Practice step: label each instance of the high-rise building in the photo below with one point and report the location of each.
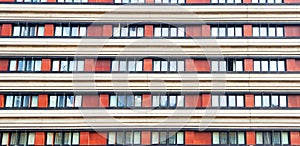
(150, 72)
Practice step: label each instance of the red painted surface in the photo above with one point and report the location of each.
(104, 100)
(247, 30)
(205, 30)
(146, 100)
(247, 1)
(146, 137)
(43, 101)
(248, 65)
(249, 100)
(206, 100)
(294, 138)
(149, 29)
(147, 65)
(51, 1)
(250, 137)
(202, 138)
(90, 101)
(95, 30)
(4, 64)
(96, 138)
(89, 65)
(105, 1)
(39, 138)
(103, 65)
(189, 65)
(6, 30)
(292, 31)
(46, 64)
(190, 100)
(202, 65)
(49, 30)
(291, 65)
(107, 30)
(84, 138)
(189, 137)
(197, 1)
(193, 31)
(1, 100)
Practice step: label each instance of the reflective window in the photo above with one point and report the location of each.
(21, 101)
(227, 100)
(128, 31)
(67, 65)
(270, 101)
(167, 138)
(272, 138)
(25, 65)
(229, 138)
(70, 30)
(62, 138)
(168, 101)
(172, 66)
(169, 31)
(227, 30)
(267, 30)
(123, 101)
(124, 138)
(129, 65)
(269, 65)
(65, 101)
(28, 30)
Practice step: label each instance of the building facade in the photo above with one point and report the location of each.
(150, 72)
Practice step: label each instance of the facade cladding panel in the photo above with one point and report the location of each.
(40, 63)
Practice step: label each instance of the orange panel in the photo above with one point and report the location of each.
(292, 101)
(190, 101)
(294, 138)
(205, 30)
(84, 138)
(49, 30)
(1, 100)
(189, 65)
(149, 1)
(146, 136)
(297, 64)
(51, 1)
(39, 138)
(96, 138)
(198, 101)
(202, 65)
(248, 30)
(89, 65)
(95, 30)
(148, 30)
(189, 137)
(193, 31)
(46, 64)
(298, 100)
(3, 64)
(247, 1)
(105, 1)
(147, 65)
(248, 64)
(292, 31)
(197, 1)
(92, 1)
(146, 101)
(291, 65)
(103, 65)
(6, 30)
(104, 100)
(90, 101)
(250, 137)
(292, 1)
(107, 30)
(249, 100)
(7, 1)
(202, 138)
(43, 101)
(206, 100)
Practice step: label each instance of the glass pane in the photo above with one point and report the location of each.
(131, 65)
(231, 100)
(180, 65)
(155, 101)
(139, 66)
(284, 138)
(129, 138)
(130, 101)
(165, 32)
(264, 65)
(82, 31)
(17, 101)
(140, 32)
(132, 31)
(215, 101)
(137, 138)
(49, 138)
(23, 138)
(256, 65)
(154, 138)
(239, 66)
(4, 138)
(180, 138)
(67, 138)
(52, 102)
(63, 65)
(16, 31)
(13, 139)
(231, 29)
(216, 138)
(267, 137)
(9, 101)
(214, 65)
(61, 101)
(172, 137)
(58, 138)
(163, 101)
(163, 138)
(222, 65)
(78, 100)
(164, 65)
(116, 29)
(26, 100)
(123, 65)
(38, 65)
(74, 31)
(72, 66)
(156, 65)
(273, 65)
(66, 31)
(172, 101)
(241, 138)
(58, 31)
(113, 101)
(55, 65)
(34, 101)
(31, 138)
(274, 101)
(257, 100)
(157, 31)
(124, 31)
(32, 31)
(75, 139)
(238, 31)
(115, 66)
(120, 137)
(180, 101)
(180, 32)
(21, 65)
(41, 30)
(24, 31)
(255, 29)
(240, 101)
(12, 65)
(266, 101)
(111, 138)
(214, 31)
(29, 65)
(80, 65)
(223, 101)
(263, 31)
(279, 31)
(222, 32)
(173, 65)
(281, 65)
(223, 138)
(271, 31)
(232, 138)
(276, 138)
(137, 101)
(70, 101)
(282, 101)
(121, 101)
(259, 138)
(173, 32)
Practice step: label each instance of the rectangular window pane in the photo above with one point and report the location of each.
(63, 65)
(113, 101)
(266, 101)
(16, 31)
(58, 138)
(282, 101)
(55, 65)
(13, 138)
(279, 31)
(124, 31)
(67, 138)
(238, 31)
(214, 31)
(123, 65)
(66, 31)
(273, 65)
(17, 101)
(4, 138)
(74, 31)
(121, 101)
(172, 137)
(80, 65)
(173, 32)
(267, 137)
(29, 65)
(180, 138)
(52, 102)
(271, 31)
(257, 100)
(31, 138)
(111, 138)
(163, 138)
(256, 65)
(137, 101)
(180, 65)
(132, 31)
(223, 101)
(216, 138)
(230, 31)
(49, 138)
(264, 66)
(38, 65)
(157, 31)
(164, 65)
(231, 101)
(222, 32)
(137, 138)
(75, 138)
(156, 66)
(82, 31)
(263, 31)
(180, 101)
(41, 30)
(223, 138)
(9, 101)
(284, 138)
(78, 100)
(154, 138)
(232, 138)
(24, 30)
(239, 66)
(129, 138)
(222, 65)
(139, 66)
(214, 65)
(259, 138)
(21, 65)
(58, 31)
(180, 32)
(34, 101)
(131, 65)
(281, 65)
(155, 101)
(173, 66)
(172, 101)
(163, 101)
(115, 66)
(215, 101)
(26, 100)
(241, 138)
(70, 101)
(165, 32)
(240, 101)
(61, 101)
(12, 65)
(255, 29)
(276, 138)
(130, 101)
(140, 32)
(274, 101)
(116, 31)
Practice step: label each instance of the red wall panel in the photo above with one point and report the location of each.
(190, 101)
(39, 138)
(206, 100)
(95, 30)
(202, 65)
(248, 64)
(4, 64)
(294, 101)
(107, 30)
(7, 1)
(248, 30)
(96, 138)
(6, 29)
(250, 137)
(292, 1)
(193, 31)
(146, 101)
(189, 137)
(105, 1)
(291, 65)
(189, 65)
(46, 64)
(149, 1)
(247, 1)
(104, 100)
(149, 31)
(1, 100)
(147, 65)
(146, 137)
(90, 101)
(51, 1)
(292, 31)
(294, 138)
(202, 138)
(297, 65)
(103, 65)
(197, 1)
(249, 100)
(89, 65)
(49, 30)
(205, 30)
(84, 138)
(43, 101)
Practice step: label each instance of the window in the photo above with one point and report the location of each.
(171, 66)
(124, 138)
(270, 100)
(62, 138)
(169, 1)
(169, 31)
(218, 66)
(226, 31)
(227, 100)
(20, 101)
(272, 138)
(32, 1)
(67, 65)
(127, 65)
(123, 101)
(129, 1)
(167, 101)
(128, 31)
(269, 65)
(25, 65)
(70, 30)
(18, 138)
(28, 30)
(229, 138)
(226, 1)
(72, 1)
(268, 31)
(235, 65)
(62, 101)
(267, 1)
(167, 138)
